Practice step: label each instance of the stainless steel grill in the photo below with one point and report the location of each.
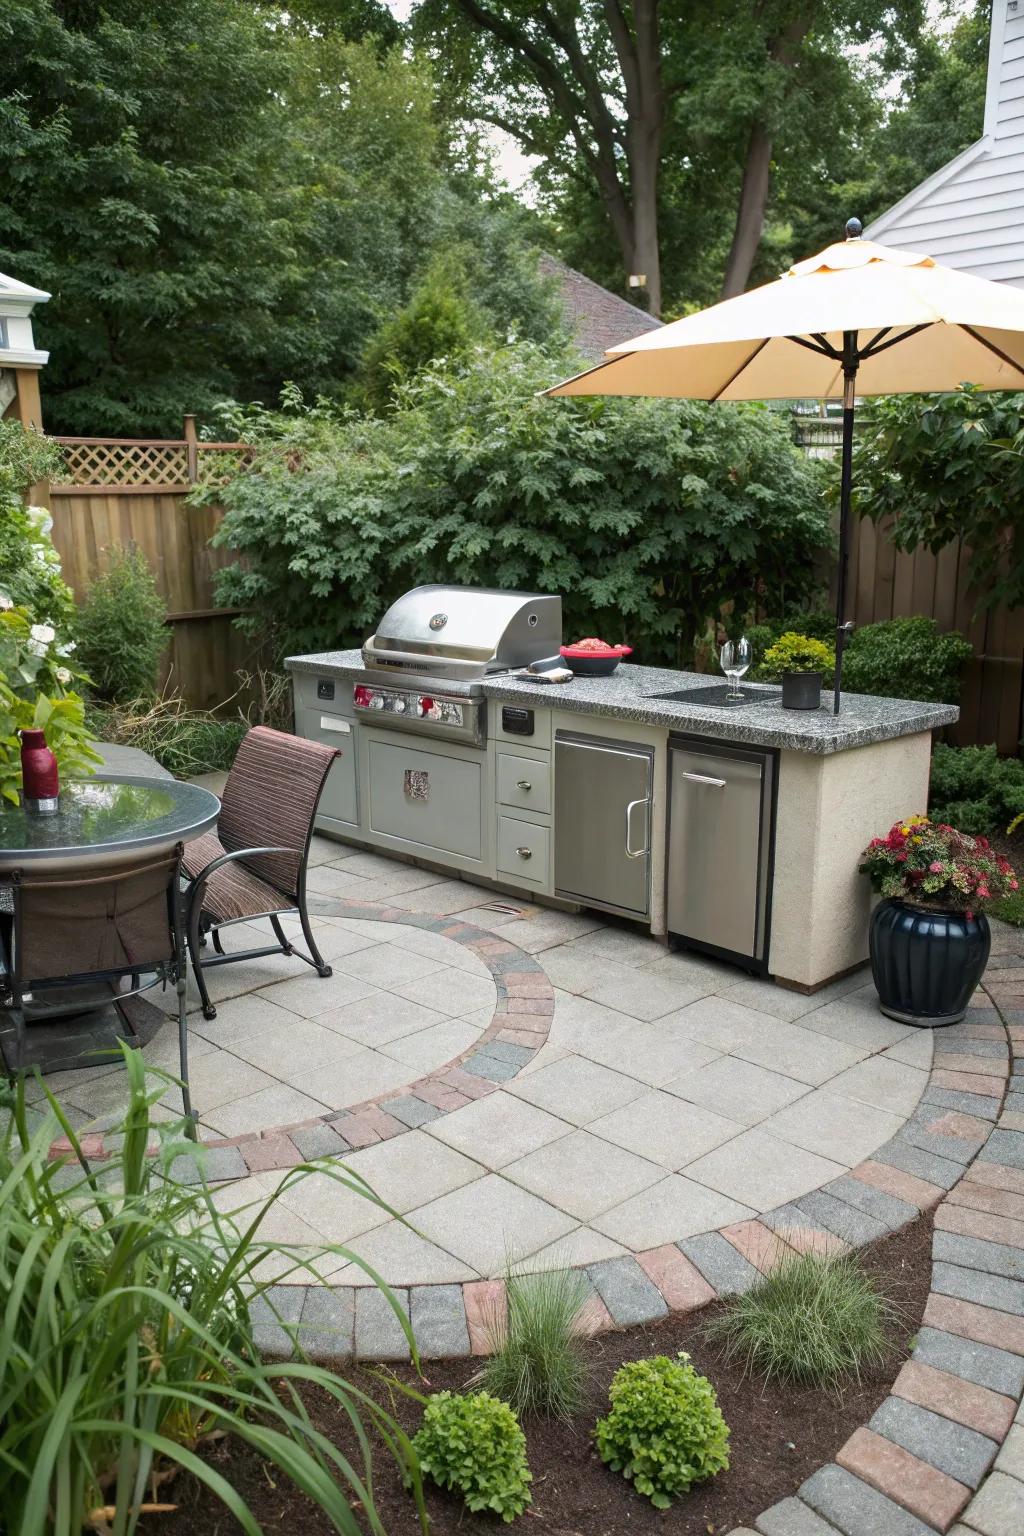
(432, 648)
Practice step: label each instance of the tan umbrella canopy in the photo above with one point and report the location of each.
(859, 318)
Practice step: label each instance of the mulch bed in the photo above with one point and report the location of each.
(778, 1438)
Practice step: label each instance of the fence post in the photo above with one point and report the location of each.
(191, 450)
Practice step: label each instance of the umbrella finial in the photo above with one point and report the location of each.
(853, 229)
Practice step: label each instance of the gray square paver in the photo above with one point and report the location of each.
(380, 1018)
(629, 1294)
(403, 1257)
(490, 1221)
(577, 1089)
(737, 1089)
(499, 1129)
(378, 1333)
(666, 1129)
(388, 965)
(450, 991)
(310, 995)
(886, 1085)
(801, 1053)
(277, 1104)
(411, 1170)
(997, 1509)
(762, 1171)
(439, 1321)
(675, 1208)
(720, 1263)
(843, 1129)
(327, 1321)
(431, 1048)
(582, 1174)
(652, 1052)
(647, 997)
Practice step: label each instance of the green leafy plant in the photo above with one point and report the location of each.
(941, 468)
(665, 1430)
(440, 321)
(906, 659)
(37, 693)
(975, 789)
(29, 565)
(648, 515)
(126, 1339)
(811, 1320)
(121, 628)
(473, 1443)
(185, 741)
(931, 864)
(797, 653)
(537, 1365)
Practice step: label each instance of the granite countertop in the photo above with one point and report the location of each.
(627, 695)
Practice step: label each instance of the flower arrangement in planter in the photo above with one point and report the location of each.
(929, 936)
(803, 664)
(37, 679)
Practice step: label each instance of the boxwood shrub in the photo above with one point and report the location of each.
(665, 1430)
(974, 789)
(473, 1443)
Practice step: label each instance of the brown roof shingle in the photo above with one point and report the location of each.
(599, 319)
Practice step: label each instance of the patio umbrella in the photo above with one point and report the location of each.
(860, 318)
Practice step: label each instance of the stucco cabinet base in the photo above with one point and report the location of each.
(828, 810)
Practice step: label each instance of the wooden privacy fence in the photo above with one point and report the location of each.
(118, 492)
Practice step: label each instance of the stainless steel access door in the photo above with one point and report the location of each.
(719, 846)
(603, 823)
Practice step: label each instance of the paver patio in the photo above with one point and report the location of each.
(671, 1096)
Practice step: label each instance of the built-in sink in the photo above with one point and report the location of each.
(717, 697)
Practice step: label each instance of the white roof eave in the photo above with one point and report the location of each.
(19, 298)
(19, 357)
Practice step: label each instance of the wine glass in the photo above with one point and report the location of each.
(735, 656)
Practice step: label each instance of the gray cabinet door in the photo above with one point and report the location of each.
(716, 850)
(426, 798)
(603, 823)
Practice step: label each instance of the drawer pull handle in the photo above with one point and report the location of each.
(523, 784)
(525, 853)
(705, 778)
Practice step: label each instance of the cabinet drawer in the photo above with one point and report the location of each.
(524, 781)
(523, 849)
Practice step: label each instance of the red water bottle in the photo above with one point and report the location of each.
(39, 785)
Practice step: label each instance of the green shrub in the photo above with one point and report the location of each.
(647, 515)
(29, 565)
(473, 1443)
(126, 1336)
(184, 741)
(815, 623)
(537, 1365)
(440, 321)
(121, 629)
(974, 789)
(810, 1320)
(797, 653)
(906, 659)
(665, 1430)
(37, 692)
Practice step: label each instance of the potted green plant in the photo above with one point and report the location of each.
(802, 663)
(929, 938)
(37, 692)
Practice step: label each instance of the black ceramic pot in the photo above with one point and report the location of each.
(801, 690)
(926, 965)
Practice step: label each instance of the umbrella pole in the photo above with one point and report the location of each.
(851, 362)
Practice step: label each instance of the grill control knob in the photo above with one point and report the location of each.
(424, 706)
(399, 706)
(376, 702)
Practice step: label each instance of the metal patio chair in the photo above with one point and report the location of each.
(72, 934)
(254, 864)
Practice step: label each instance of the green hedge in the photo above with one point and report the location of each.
(895, 658)
(974, 789)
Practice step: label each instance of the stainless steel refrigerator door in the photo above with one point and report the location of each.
(715, 850)
(603, 823)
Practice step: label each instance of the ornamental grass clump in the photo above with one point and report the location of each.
(932, 865)
(473, 1443)
(665, 1431)
(127, 1345)
(812, 1321)
(537, 1365)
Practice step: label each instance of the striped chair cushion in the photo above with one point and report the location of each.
(233, 890)
(270, 799)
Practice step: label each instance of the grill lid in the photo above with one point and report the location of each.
(465, 631)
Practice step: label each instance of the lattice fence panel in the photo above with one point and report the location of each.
(218, 462)
(99, 462)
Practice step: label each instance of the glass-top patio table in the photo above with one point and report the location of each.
(99, 823)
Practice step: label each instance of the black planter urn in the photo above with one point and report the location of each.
(926, 965)
(801, 690)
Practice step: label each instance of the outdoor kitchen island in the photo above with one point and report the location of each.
(735, 830)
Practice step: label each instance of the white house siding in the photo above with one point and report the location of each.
(970, 214)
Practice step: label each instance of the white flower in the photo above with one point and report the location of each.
(66, 648)
(63, 676)
(44, 634)
(37, 648)
(5, 602)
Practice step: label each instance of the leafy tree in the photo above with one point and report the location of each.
(948, 467)
(439, 322)
(638, 110)
(649, 516)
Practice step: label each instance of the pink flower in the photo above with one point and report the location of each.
(935, 868)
